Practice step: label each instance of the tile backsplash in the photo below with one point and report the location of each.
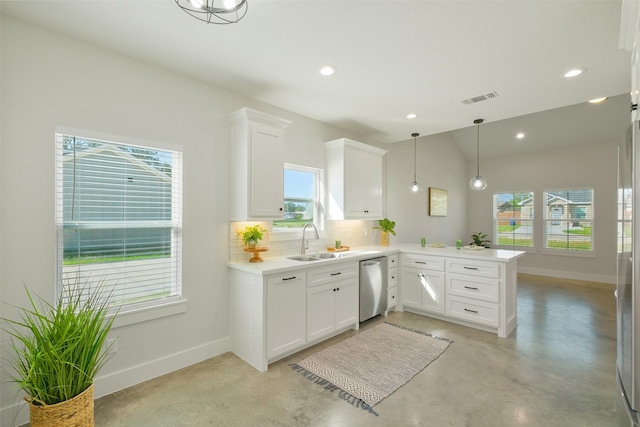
(351, 233)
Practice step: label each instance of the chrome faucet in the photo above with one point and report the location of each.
(305, 243)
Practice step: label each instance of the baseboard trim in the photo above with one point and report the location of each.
(18, 413)
(567, 275)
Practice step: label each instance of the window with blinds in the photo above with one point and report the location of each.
(568, 220)
(118, 219)
(513, 219)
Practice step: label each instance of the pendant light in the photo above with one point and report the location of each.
(215, 11)
(478, 182)
(415, 188)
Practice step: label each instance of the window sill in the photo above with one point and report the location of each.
(578, 254)
(131, 317)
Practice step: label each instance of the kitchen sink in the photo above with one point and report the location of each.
(326, 255)
(304, 258)
(315, 257)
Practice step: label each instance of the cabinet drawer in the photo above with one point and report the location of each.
(423, 261)
(392, 297)
(484, 313)
(473, 267)
(473, 287)
(335, 272)
(393, 277)
(392, 261)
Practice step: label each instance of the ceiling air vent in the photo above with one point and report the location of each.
(479, 98)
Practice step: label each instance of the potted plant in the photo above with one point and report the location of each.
(387, 227)
(479, 239)
(252, 235)
(56, 352)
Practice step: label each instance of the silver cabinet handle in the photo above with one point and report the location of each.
(336, 274)
(470, 287)
(470, 268)
(420, 262)
(471, 311)
(289, 278)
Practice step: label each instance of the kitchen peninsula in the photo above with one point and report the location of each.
(282, 305)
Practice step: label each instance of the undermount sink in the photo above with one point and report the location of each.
(304, 258)
(314, 257)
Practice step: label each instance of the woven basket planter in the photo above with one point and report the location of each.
(75, 412)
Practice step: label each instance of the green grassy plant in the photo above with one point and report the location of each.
(57, 351)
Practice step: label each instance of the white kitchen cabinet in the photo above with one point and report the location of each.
(354, 180)
(422, 287)
(480, 293)
(332, 300)
(473, 291)
(392, 281)
(257, 172)
(268, 315)
(286, 313)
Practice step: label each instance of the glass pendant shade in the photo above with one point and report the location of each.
(215, 11)
(415, 187)
(477, 182)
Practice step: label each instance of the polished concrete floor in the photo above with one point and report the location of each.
(556, 369)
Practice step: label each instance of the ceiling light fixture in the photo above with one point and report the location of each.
(415, 187)
(575, 72)
(520, 135)
(412, 116)
(215, 11)
(328, 70)
(598, 100)
(478, 182)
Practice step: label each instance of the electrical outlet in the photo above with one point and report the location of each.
(112, 346)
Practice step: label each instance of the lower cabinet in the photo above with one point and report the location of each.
(470, 291)
(276, 315)
(286, 314)
(423, 289)
(332, 300)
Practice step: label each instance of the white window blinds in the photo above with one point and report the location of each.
(119, 219)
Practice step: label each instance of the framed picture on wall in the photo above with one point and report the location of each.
(437, 202)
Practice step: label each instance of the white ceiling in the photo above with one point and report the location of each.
(393, 58)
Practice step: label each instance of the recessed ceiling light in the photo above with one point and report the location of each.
(328, 70)
(412, 116)
(520, 135)
(575, 72)
(598, 100)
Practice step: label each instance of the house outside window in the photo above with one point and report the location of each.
(301, 197)
(513, 219)
(568, 220)
(118, 219)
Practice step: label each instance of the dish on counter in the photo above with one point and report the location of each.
(475, 248)
(437, 245)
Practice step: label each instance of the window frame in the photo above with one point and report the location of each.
(497, 220)
(133, 312)
(591, 253)
(281, 233)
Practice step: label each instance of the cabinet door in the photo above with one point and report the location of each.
(321, 312)
(363, 184)
(266, 169)
(346, 296)
(286, 313)
(411, 288)
(432, 286)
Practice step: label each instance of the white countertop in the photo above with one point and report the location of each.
(282, 264)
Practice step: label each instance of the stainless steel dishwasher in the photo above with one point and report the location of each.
(373, 287)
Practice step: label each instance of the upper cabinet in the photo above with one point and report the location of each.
(354, 180)
(257, 165)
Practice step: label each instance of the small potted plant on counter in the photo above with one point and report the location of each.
(479, 239)
(387, 227)
(252, 235)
